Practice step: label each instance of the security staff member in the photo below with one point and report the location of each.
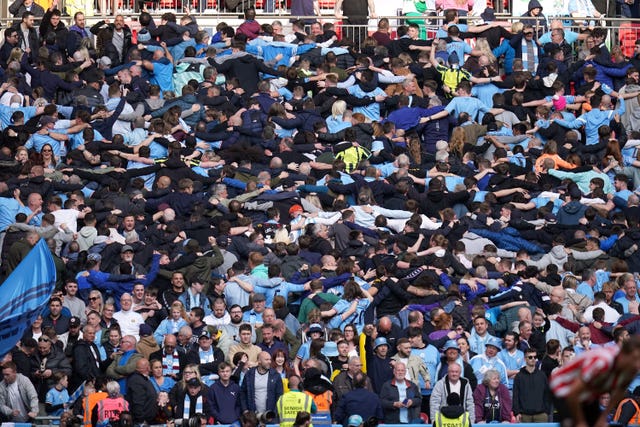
(452, 415)
(293, 402)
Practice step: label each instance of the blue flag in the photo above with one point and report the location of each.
(24, 294)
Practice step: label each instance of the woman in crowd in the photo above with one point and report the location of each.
(492, 399)
(159, 381)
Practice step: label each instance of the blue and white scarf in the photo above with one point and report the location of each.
(525, 56)
(187, 406)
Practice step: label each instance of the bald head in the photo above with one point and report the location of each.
(142, 366)
(294, 382)
(170, 341)
(384, 325)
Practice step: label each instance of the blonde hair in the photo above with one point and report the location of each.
(178, 305)
(457, 141)
(483, 45)
(517, 27)
(338, 108)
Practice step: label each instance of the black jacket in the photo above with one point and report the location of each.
(33, 40)
(531, 392)
(85, 364)
(142, 398)
(245, 68)
(105, 46)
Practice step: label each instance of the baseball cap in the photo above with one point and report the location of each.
(74, 322)
(259, 297)
(126, 248)
(193, 382)
(222, 240)
(451, 344)
(204, 334)
(145, 330)
(105, 61)
(355, 421)
(94, 257)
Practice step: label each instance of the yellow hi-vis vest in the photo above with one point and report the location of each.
(290, 404)
(461, 421)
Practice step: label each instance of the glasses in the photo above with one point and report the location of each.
(43, 339)
(528, 34)
(532, 357)
(94, 298)
(189, 372)
(46, 150)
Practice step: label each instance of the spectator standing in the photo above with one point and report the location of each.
(531, 400)
(492, 399)
(262, 386)
(141, 394)
(359, 401)
(452, 383)
(18, 397)
(401, 399)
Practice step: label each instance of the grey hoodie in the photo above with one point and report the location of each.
(558, 256)
(86, 237)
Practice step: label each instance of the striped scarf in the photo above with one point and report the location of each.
(529, 63)
(187, 406)
(175, 364)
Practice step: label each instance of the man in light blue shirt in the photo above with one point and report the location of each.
(371, 111)
(600, 115)
(588, 282)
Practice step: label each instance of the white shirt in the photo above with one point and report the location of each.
(129, 322)
(69, 217)
(212, 320)
(610, 314)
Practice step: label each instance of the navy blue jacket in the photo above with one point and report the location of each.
(359, 401)
(225, 402)
(247, 391)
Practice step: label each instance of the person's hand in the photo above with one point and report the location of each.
(30, 414)
(398, 405)
(163, 45)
